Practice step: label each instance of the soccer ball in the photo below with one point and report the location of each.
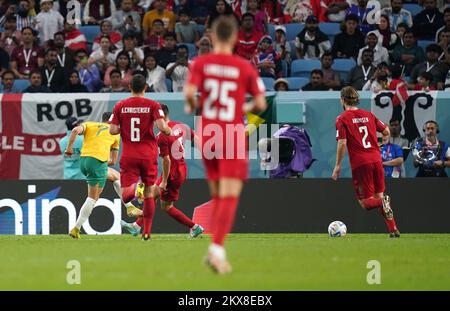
(337, 228)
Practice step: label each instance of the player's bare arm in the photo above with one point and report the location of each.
(340, 152)
(257, 104)
(165, 172)
(190, 93)
(114, 155)
(79, 130)
(114, 129)
(163, 126)
(386, 133)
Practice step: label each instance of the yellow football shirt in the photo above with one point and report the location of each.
(97, 142)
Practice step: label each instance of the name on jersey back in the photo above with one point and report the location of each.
(222, 71)
(135, 110)
(360, 120)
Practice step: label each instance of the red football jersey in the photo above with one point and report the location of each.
(359, 127)
(223, 81)
(173, 146)
(136, 116)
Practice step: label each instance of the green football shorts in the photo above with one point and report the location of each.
(95, 171)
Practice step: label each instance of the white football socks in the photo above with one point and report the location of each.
(217, 251)
(118, 189)
(85, 212)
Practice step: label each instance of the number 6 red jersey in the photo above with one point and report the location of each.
(136, 117)
(359, 127)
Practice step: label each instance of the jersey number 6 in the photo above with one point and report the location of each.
(135, 131)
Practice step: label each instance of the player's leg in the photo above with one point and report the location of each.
(148, 171)
(364, 187)
(114, 177)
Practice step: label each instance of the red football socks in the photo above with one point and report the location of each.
(225, 211)
(180, 216)
(149, 211)
(390, 223)
(139, 221)
(371, 203)
(128, 193)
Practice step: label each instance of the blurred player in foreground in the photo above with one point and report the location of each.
(167, 187)
(357, 130)
(223, 80)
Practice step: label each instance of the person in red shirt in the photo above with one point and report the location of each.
(248, 37)
(357, 129)
(27, 57)
(174, 173)
(133, 119)
(424, 82)
(223, 80)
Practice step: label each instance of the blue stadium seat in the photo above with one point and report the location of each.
(169, 85)
(413, 8)
(424, 43)
(303, 67)
(21, 84)
(293, 50)
(268, 83)
(292, 30)
(343, 66)
(284, 68)
(90, 32)
(330, 29)
(295, 83)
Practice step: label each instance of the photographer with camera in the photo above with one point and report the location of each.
(430, 155)
(178, 70)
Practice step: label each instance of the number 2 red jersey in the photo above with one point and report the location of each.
(136, 117)
(359, 127)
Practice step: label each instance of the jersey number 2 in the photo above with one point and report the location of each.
(366, 144)
(135, 131)
(219, 91)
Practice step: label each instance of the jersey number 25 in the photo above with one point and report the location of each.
(219, 91)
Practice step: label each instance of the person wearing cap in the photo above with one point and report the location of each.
(348, 43)
(432, 65)
(281, 45)
(48, 21)
(380, 53)
(311, 42)
(72, 164)
(281, 85)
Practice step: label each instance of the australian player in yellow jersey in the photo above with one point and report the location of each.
(100, 149)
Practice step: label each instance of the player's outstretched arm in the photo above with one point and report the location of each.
(386, 133)
(190, 94)
(340, 152)
(113, 156)
(165, 172)
(114, 129)
(78, 130)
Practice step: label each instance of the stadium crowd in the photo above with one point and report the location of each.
(48, 46)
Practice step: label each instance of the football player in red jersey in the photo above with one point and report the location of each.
(133, 118)
(174, 173)
(357, 130)
(223, 80)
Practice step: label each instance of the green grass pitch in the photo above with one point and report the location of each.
(260, 262)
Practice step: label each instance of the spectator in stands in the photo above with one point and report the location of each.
(126, 19)
(160, 12)
(425, 82)
(10, 37)
(311, 42)
(392, 157)
(155, 75)
(267, 60)
(53, 76)
(48, 22)
(273, 10)
(359, 75)
(135, 54)
(281, 45)
(103, 57)
(221, 7)
(65, 55)
(316, 83)
(185, 29)
(95, 11)
(333, 10)
(427, 22)
(430, 155)
(116, 86)
(4, 60)
(298, 11)
(155, 41)
(380, 80)
(444, 43)
(89, 74)
(168, 53)
(237, 7)
(63, 8)
(36, 84)
(446, 26)
(23, 15)
(181, 5)
(27, 57)
(348, 43)
(401, 29)
(8, 87)
(254, 7)
(75, 39)
(380, 53)
(248, 37)
(388, 39)
(200, 10)
(73, 85)
(204, 46)
(395, 127)
(178, 71)
(408, 54)
(362, 12)
(397, 15)
(106, 29)
(281, 85)
(123, 64)
(331, 78)
(432, 65)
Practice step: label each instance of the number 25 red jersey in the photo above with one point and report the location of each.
(359, 127)
(136, 117)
